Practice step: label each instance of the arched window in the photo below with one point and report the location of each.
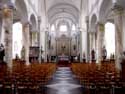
(17, 39)
(110, 38)
(52, 28)
(73, 27)
(63, 28)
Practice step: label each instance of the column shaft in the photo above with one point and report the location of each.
(100, 41)
(7, 25)
(26, 41)
(118, 11)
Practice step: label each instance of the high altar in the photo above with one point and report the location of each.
(63, 60)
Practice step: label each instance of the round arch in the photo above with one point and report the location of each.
(33, 22)
(105, 10)
(33, 31)
(93, 22)
(21, 10)
(58, 18)
(64, 9)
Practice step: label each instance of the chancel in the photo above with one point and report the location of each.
(62, 46)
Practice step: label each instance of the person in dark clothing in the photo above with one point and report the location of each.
(84, 58)
(93, 55)
(104, 53)
(2, 53)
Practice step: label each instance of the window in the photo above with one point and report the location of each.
(73, 27)
(52, 28)
(17, 40)
(63, 28)
(110, 38)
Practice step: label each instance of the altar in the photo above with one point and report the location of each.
(63, 60)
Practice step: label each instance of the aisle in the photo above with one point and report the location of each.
(64, 82)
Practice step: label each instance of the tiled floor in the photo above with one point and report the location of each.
(64, 82)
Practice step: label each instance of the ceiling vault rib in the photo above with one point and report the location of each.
(60, 13)
(70, 11)
(45, 12)
(80, 13)
(61, 18)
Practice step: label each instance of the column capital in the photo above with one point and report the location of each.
(99, 23)
(117, 9)
(100, 26)
(91, 32)
(7, 9)
(26, 24)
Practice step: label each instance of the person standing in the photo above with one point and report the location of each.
(93, 55)
(2, 53)
(104, 53)
(84, 58)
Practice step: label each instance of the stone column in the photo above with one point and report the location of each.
(26, 41)
(90, 42)
(80, 50)
(118, 14)
(39, 40)
(100, 41)
(0, 30)
(87, 39)
(46, 45)
(94, 40)
(7, 13)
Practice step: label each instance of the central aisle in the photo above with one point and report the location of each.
(64, 82)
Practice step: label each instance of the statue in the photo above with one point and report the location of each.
(104, 53)
(122, 57)
(42, 53)
(23, 53)
(93, 55)
(63, 48)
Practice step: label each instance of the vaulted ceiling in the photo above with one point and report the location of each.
(63, 9)
(122, 3)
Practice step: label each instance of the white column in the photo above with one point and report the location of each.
(26, 41)
(94, 40)
(7, 13)
(100, 40)
(1, 30)
(91, 41)
(46, 45)
(87, 39)
(118, 14)
(81, 46)
(39, 40)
